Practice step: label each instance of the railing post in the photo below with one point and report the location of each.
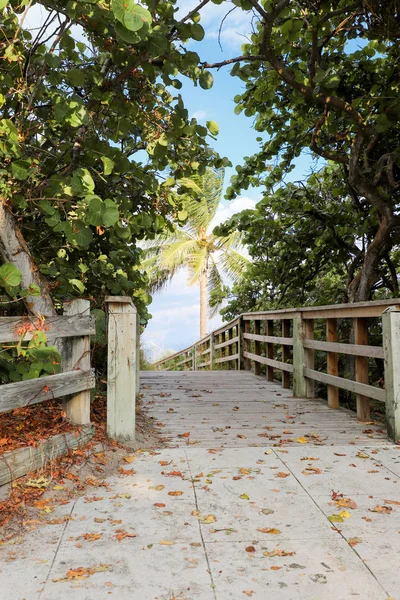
(308, 330)
(332, 363)
(195, 357)
(270, 349)
(122, 374)
(76, 355)
(137, 355)
(361, 337)
(211, 351)
(299, 359)
(285, 353)
(241, 360)
(391, 348)
(257, 347)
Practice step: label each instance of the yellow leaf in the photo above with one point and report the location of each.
(302, 440)
(129, 459)
(244, 497)
(208, 519)
(345, 514)
(269, 451)
(58, 487)
(166, 543)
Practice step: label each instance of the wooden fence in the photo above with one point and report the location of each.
(75, 327)
(286, 341)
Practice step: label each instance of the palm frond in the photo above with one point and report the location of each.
(197, 263)
(202, 206)
(215, 284)
(232, 264)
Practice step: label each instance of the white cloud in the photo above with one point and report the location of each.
(200, 115)
(226, 211)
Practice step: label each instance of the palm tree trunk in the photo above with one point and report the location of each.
(203, 305)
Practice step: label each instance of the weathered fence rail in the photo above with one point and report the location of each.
(286, 341)
(75, 382)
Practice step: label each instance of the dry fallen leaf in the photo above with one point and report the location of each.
(302, 440)
(282, 475)
(278, 552)
(166, 543)
(382, 509)
(312, 471)
(346, 503)
(354, 541)
(248, 593)
(250, 549)
(270, 530)
(208, 519)
(275, 568)
(91, 537)
(129, 459)
(159, 504)
(392, 502)
(177, 493)
(244, 497)
(121, 534)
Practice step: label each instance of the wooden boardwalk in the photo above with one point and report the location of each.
(239, 409)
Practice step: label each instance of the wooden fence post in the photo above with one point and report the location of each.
(194, 367)
(299, 358)
(76, 356)
(308, 330)
(269, 327)
(332, 363)
(212, 351)
(391, 348)
(241, 360)
(257, 346)
(285, 353)
(137, 355)
(361, 337)
(122, 368)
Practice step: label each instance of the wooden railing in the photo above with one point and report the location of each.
(73, 384)
(286, 343)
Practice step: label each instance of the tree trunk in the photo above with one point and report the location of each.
(14, 249)
(203, 305)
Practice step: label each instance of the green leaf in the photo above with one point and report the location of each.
(95, 210)
(182, 215)
(108, 165)
(10, 275)
(82, 182)
(3, 4)
(131, 15)
(78, 285)
(212, 127)
(206, 80)
(111, 213)
(76, 77)
(20, 169)
(131, 37)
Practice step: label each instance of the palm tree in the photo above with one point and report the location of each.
(207, 257)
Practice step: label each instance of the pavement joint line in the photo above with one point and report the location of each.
(57, 549)
(201, 532)
(338, 530)
(367, 451)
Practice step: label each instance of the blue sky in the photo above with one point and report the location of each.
(175, 310)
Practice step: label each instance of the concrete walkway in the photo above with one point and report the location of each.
(214, 523)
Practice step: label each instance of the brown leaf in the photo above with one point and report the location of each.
(282, 475)
(91, 537)
(270, 530)
(159, 505)
(346, 503)
(242, 437)
(382, 509)
(250, 549)
(392, 502)
(129, 459)
(121, 534)
(312, 471)
(175, 493)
